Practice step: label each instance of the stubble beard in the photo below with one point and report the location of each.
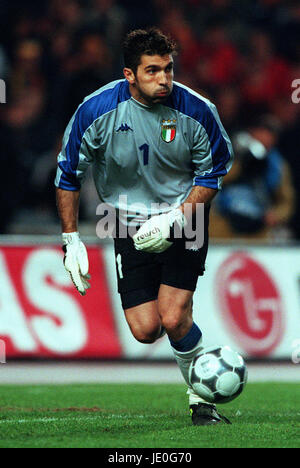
(151, 100)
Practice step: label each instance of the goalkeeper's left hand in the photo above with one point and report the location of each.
(153, 234)
(76, 261)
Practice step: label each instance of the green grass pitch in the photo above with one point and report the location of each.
(144, 416)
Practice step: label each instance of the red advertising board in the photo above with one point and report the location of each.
(42, 314)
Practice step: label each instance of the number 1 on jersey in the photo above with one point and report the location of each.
(145, 149)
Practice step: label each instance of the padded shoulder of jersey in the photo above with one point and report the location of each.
(190, 103)
(102, 101)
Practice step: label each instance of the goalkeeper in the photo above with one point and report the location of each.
(154, 141)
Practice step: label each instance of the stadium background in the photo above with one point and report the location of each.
(244, 56)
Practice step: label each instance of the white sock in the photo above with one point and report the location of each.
(184, 359)
(194, 399)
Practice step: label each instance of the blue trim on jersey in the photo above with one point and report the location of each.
(209, 182)
(67, 180)
(87, 113)
(192, 106)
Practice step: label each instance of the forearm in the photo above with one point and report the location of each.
(67, 206)
(199, 194)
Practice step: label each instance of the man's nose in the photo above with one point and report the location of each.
(163, 79)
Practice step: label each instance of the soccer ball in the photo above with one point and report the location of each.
(218, 374)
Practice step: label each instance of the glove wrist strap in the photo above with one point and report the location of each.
(70, 238)
(177, 216)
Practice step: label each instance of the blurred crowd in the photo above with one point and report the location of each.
(241, 54)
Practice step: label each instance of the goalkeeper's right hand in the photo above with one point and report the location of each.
(76, 261)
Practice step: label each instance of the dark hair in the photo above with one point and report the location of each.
(145, 41)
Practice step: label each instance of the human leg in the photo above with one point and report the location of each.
(157, 294)
(144, 322)
(176, 314)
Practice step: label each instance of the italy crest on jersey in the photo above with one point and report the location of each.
(168, 130)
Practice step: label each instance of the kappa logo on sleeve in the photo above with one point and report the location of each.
(168, 130)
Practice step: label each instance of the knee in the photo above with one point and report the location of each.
(172, 323)
(146, 336)
(177, 318)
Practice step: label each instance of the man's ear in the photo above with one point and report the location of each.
(129, 75)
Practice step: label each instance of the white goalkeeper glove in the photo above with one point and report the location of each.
(76, 261)
(153, 234)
